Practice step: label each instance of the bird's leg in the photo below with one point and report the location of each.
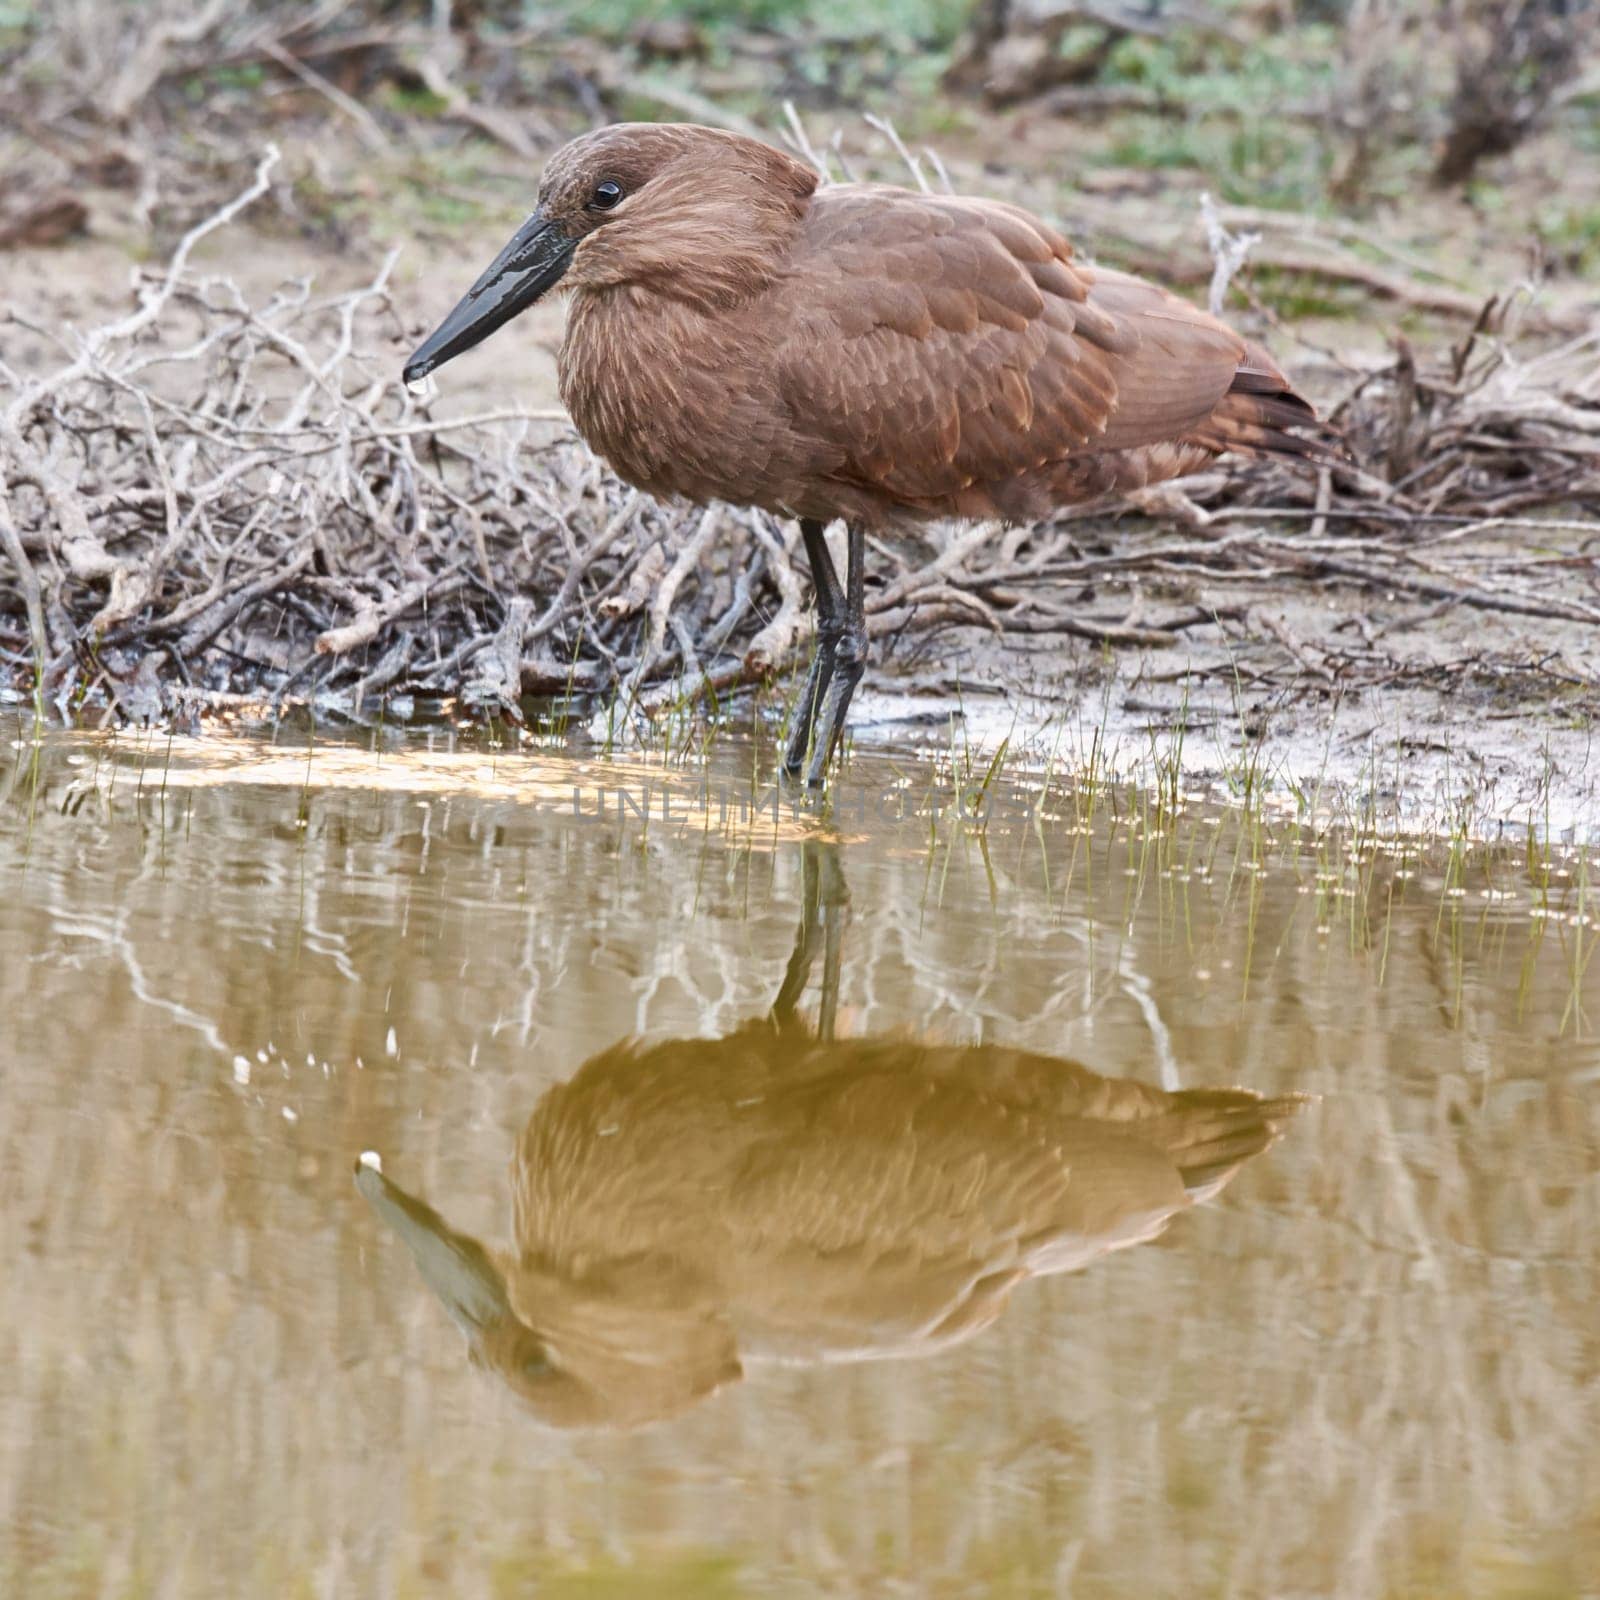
(849, 661)
(832, 947)
(798, 973)
(830, 625)
(823, 898)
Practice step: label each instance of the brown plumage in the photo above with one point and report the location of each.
(858, 351)
(685, 1209)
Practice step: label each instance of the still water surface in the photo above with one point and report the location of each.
(1104, 1202)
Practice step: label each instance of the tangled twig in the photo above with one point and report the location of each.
(211, 499)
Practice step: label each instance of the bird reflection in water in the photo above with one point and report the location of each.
(683, 1209)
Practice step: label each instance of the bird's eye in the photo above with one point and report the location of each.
(606, 194)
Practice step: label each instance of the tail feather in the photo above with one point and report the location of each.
(1210, 1133)
(1261, 415)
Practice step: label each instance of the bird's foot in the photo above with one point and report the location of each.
(849, 663)
(797, 745)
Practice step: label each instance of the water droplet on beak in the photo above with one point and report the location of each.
(422, 388)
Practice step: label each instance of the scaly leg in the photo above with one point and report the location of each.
(848, 663)
(830, 625)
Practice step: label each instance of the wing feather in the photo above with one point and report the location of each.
(944, 343)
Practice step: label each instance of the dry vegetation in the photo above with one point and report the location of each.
(215, 498)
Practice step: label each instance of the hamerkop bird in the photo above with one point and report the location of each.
(685, 1209)
(856, 351)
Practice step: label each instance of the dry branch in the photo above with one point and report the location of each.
(214, 499)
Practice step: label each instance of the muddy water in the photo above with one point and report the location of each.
(767, 1209)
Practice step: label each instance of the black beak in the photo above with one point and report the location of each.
(530, 265)
(457, 1269)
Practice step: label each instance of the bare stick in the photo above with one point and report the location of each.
(153, 303)
(888, 130)
(801, 140)
(29, 580)
(366, 125)
(1228, 253)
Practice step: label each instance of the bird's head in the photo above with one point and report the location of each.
(618, 1354)
(692, 213)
